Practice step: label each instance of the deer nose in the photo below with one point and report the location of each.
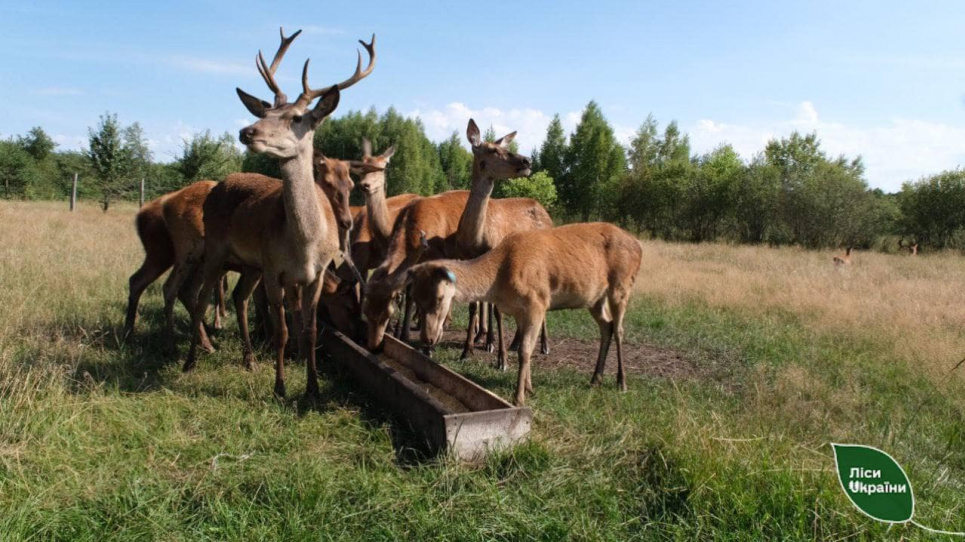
(526, 163)
(345, 221)
(246, 135)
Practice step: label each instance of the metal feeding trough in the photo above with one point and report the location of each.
(453, 413)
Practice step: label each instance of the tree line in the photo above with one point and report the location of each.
(792, 192)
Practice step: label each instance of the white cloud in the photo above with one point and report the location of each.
(59, 91)
(893, 152)
(216, 67)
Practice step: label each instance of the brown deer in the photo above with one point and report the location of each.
(171, 231)
(576, 266)
(911, 249)
(374, 221)
(428, 226)
(291, 235)
(843, 259)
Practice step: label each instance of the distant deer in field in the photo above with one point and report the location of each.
(910, 248)
(590, 266)
(843, 259)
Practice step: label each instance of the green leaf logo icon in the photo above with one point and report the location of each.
(875, 482)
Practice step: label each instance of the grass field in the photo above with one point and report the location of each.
(779, 355)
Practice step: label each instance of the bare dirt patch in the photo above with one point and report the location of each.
(580, 354)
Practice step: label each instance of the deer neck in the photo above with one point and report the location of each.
(473, 220)
(304, 221)
(378, 211)
(474, 279)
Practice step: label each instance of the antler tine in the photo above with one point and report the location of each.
(308, 94)
(268, 72)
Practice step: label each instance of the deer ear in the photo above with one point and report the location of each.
(366, 147)
(472, 133)
(325, 106)
(387, 155)
(254, 106)
(506, 140)
(444, 273)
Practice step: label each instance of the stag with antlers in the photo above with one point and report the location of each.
(291, 235)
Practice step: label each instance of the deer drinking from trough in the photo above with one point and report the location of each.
(290, 235)
(591, 266)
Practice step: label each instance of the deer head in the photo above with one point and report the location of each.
(285, 129)
(494, 159)
(381, 294)
(333, 176)
(433, 287)
(341, 304)
(371, 170)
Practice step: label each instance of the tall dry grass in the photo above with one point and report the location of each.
(913, 307)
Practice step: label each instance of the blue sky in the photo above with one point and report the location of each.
(882, 79)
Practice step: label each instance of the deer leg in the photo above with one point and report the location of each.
(198, 305)
(149, 272)
(483, 326)
(599, 313)
(219, 303)
(276, 302)
(544, 346)
(262, 313)
(188, 284)
(514, 345)
(529, 324)
(309, 334)
(468, 347)
(491, 330)
(501, 357)
(171, 289)
(246, 284)
(619, 308)
(293, 295)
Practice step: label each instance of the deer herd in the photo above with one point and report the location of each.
(304, 248)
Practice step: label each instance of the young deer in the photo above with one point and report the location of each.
(290, 235)
(843, 259)
(589, 266)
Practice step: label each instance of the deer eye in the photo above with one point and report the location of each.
(297, 118)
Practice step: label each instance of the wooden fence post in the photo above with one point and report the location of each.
(73, 194)
(142, 193)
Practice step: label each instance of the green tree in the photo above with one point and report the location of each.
(111, 160)
(207, 157)
(17, 171)
(933, 209)
(552, 153)
(456, 162)
(538, 186)
(755, 198)
(675, 146)
(37, 143)
(709, 197)
(595, 163)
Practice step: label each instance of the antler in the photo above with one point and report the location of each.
(307, 95)
(268, 72)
